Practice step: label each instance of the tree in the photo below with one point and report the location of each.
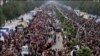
(14, 8)
(88, 6)
(85, 52)
(2, 17)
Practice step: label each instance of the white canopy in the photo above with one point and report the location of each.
(98, 20)
(11, 25)
(1, 37)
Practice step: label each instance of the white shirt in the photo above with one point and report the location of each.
(71, 53)
(25, 49)
(77, 47)
(2, 38)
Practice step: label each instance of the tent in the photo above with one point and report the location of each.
(33, 13)
(86, 16)
(3, 35)
(27, 17)
(77, 12)
(4, 30)
(98, 20)
(20, 28)
(24, 24)
(11, 25)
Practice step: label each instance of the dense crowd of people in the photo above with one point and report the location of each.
(34, 39)
(89, 30)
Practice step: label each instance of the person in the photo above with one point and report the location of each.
(74, 52)
(1, 38)
(1, 45)
(22, 19)
(45, 53)
(25, 50)
(1, 42)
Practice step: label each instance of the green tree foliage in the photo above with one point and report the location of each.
(15, 8)
(69, 30)
(85, 52)
(2, 17)
(71, 43)
(90, 6)
(66, 25)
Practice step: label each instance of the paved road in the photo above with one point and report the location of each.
(60, 9)
(59, 40)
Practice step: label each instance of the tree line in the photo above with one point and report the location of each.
(14, 8)
(89, 6)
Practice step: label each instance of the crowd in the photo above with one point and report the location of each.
(89, 31)
(34, 39)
